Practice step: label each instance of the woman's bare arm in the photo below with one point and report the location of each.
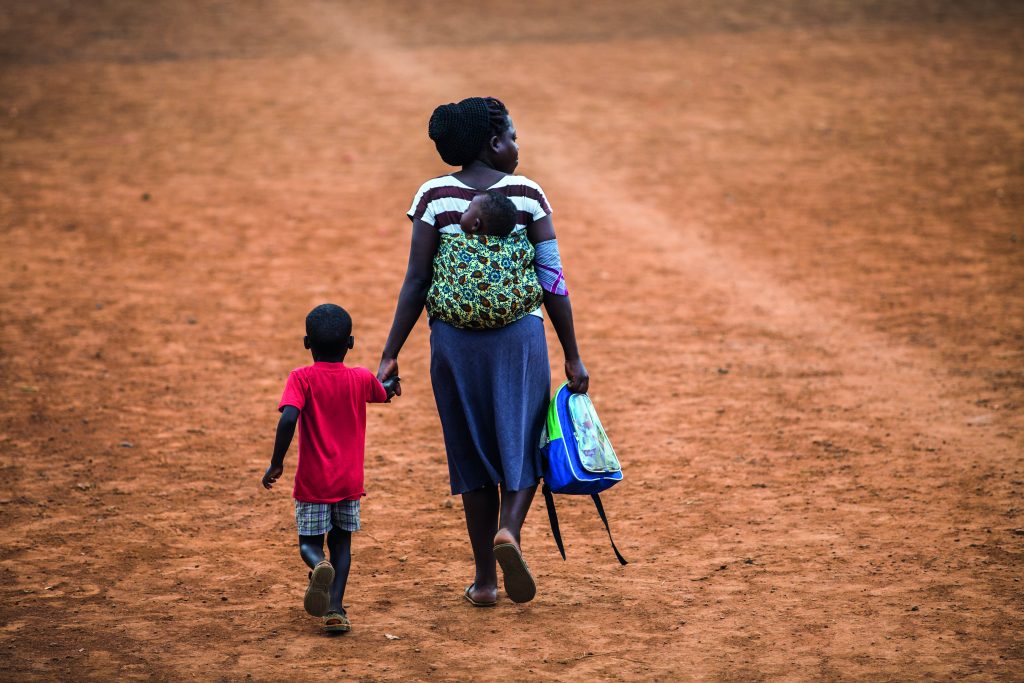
(559, 309)
(413, 296)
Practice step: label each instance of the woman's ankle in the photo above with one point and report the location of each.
(506, 535)
(489, 590)
(483, 580)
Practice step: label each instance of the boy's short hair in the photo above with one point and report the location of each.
(328, 327)
(498, 213)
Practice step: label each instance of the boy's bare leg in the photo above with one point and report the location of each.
(481, 508)
(514, 506)
(340, 544)
(312, 549)
(318, 594)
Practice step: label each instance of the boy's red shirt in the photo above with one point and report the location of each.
(331, 399)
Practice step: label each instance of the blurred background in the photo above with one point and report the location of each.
(792, 232)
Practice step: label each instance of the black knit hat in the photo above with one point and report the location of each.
(460, 131)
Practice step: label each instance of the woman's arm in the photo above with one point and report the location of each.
(425, 239)
(559, 309)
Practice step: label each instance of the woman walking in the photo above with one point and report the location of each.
(491, 379)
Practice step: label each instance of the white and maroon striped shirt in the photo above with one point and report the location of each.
(442, 201)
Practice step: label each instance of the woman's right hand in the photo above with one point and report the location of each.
(577, 375)
(388, 369)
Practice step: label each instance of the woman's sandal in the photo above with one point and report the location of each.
(519, 583)
(318, 596)
(477, 603)
(336, 622)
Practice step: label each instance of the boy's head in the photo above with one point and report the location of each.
(490, 213)
(328, 331)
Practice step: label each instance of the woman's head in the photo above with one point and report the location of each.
(475, 128)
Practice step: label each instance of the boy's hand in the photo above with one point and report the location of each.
(271, 476)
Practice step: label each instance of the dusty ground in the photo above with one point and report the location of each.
(793, 236)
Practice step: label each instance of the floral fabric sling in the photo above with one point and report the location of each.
(483, 282)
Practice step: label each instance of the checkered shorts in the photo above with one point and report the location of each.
(316, 519)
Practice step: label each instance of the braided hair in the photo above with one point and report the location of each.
(497, 116)
(461, 130)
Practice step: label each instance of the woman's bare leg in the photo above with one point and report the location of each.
(481, 507)
(514, 506)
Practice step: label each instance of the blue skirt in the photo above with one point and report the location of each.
(492, 391)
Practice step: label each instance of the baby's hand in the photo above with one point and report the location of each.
(271, 476)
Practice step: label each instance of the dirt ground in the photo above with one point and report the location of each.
(793, 235)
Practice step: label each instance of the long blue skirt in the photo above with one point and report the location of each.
(492, 391)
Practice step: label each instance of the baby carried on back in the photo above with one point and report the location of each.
(486, 276)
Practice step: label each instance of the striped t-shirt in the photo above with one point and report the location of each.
(442, 201)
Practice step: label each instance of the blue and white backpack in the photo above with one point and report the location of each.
(578, 457)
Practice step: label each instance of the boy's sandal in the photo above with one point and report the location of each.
(336, 622)
(318, 596)
(477, 603)
(519, 583)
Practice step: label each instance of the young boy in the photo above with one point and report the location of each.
(329, 400)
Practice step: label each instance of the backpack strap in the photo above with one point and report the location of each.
(604, 518)
(549, 502)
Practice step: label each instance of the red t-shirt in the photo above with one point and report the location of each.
(331, 399)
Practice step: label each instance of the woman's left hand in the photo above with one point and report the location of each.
(576, 373)
(388, 368)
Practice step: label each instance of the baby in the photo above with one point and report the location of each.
(490, 213)
(484, 276)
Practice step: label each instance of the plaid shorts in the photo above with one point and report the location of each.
(316, 519)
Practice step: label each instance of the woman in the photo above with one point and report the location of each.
(491, 386)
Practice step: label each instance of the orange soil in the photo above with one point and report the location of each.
(793, 236)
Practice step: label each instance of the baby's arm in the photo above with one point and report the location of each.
(285, 432)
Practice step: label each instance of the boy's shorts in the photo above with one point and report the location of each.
(316, 519)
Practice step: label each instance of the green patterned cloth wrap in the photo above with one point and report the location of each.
(483, 282)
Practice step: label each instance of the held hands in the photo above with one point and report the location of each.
(388, 369)
(392, 387)
(576, 373)
(272, 474)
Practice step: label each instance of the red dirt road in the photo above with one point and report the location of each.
(793, 237)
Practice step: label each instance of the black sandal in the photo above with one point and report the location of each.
(476, 603)
(519, 583)
(318, 596)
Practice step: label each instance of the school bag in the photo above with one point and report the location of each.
(578, 458)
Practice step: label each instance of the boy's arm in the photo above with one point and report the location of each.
(380, 392)
(285, 432)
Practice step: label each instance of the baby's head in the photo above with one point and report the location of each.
(328, 332)
(490, 213)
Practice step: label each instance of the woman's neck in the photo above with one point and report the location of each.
(479, 174)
